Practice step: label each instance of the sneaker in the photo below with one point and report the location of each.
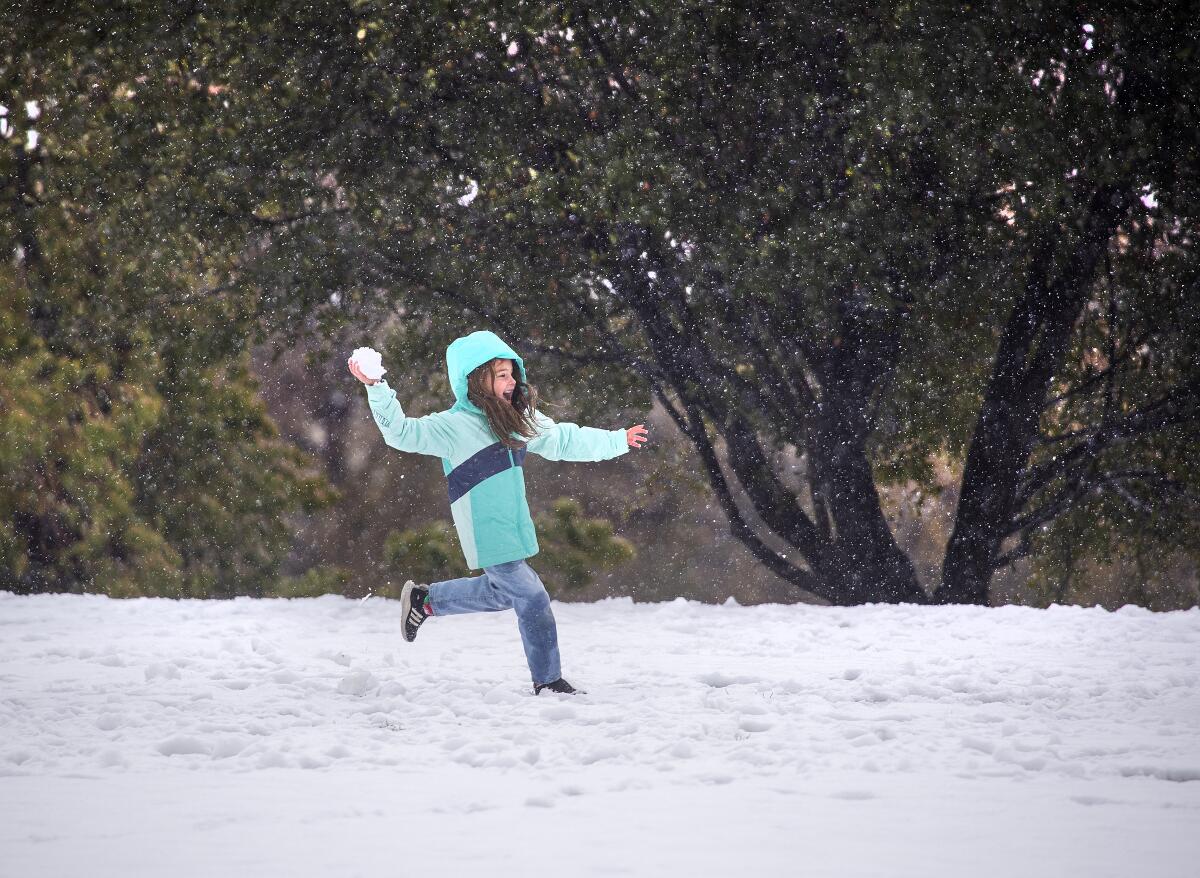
(560, 685)
(412, 608)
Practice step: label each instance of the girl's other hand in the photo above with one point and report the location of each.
(636, 436)
(357, 373)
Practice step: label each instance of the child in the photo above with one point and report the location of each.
(482, 441)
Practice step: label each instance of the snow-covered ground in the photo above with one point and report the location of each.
(305, 738)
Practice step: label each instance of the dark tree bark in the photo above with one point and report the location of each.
(1031, 349)
(851, 557)
(331, 413)
(783, 157)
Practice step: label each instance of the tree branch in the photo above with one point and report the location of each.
(682, 354)
(1070, 494)
(771, 559)
(1180, 405)
(1128, 350)
(285, 221)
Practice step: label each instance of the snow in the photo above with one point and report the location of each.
(472, 192)
(370, 361)
(304, 737)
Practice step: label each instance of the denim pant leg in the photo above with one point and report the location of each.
(471, 594)
(535, 619)
(513, 584)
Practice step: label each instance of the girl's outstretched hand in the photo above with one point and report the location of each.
(636, 436)
(358, 373)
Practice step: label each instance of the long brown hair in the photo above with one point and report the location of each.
(505, 417)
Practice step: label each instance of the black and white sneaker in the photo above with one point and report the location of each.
(412, 608)
(560, 685)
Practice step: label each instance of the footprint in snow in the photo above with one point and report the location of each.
(162, 670)
(719, 681)
(182, 745)
(558, 712)
(753, 724)
(107, 722)
(358, 682)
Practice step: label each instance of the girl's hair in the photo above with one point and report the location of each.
(504, 417)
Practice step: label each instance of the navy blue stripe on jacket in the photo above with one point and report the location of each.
(482, 465)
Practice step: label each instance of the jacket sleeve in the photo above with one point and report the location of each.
(428, 435)
(572, 442)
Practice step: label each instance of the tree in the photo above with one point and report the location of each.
(137, 456)
(868, 234)
(1094, 384)
(584, 217)
(819, 228)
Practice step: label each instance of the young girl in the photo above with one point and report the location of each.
(482, 440)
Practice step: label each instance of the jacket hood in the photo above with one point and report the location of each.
(466, 354)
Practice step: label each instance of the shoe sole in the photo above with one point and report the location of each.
(406, 608)
(537, 691)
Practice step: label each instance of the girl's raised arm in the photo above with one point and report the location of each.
(430, 434)
(572, 442)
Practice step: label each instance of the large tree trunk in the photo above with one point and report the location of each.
(1031, 350)
(847, 551)
(848, 555)
(331, 413)
(859, 557)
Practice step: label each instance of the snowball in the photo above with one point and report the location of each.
(369, 361)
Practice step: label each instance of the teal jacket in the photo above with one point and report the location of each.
(486, 480)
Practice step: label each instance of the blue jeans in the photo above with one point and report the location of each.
(503, 586)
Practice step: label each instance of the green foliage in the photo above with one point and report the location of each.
(1072, 567)
(137, 457)
(575, 548)
(781, 183)
(69, 426)
(120, 479)
(312, 583)
(221, 486)
(1139, 335)
(426, 554)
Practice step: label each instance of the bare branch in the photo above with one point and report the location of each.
(681, 421)
(1051, 509)
(1021, 550)
(1180, 405)
(745, 534)
(772, 500)
(1096, 483)
(280, 222)
(1127, 352)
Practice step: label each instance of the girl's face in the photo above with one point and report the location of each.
(503, 382)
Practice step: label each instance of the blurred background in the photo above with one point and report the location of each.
(908, 299)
